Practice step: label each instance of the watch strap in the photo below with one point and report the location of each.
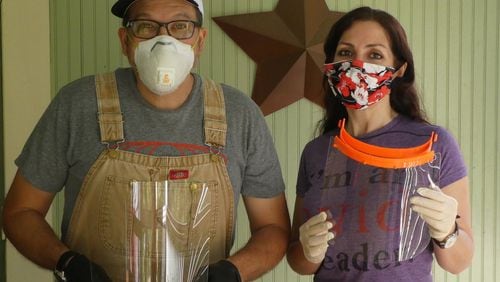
(443, 244)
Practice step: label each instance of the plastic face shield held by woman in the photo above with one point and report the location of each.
(168, 238)
(367, 191)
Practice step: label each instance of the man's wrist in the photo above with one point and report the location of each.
(62, 264)
(223, 270)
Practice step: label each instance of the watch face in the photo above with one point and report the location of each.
(450, 241)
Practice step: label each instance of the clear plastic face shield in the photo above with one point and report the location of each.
(167, 231)
(367, 191)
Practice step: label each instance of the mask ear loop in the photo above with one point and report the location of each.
(401, 69)
(197, 38)
(196, 43)
(130, 40)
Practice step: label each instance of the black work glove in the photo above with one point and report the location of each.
(223, 271)
(75, 267)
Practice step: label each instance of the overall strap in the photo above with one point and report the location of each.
(109, 113)
(215, 125)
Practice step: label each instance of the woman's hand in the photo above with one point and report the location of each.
(314, 237)
(437, 209)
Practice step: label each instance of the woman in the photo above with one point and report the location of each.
(373, 43)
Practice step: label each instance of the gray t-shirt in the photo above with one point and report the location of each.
(66, 140)
(366, 261)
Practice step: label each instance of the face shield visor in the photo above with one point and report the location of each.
(167, 231)
(367, 190)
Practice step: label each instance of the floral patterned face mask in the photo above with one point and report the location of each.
(358, 84)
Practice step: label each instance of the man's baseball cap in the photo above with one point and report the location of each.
(121, 6)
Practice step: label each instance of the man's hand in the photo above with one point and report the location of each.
(437, 209)
(314, 236)
(223, 271)
(75, 267)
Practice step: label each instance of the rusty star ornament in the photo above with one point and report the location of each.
(287, 46)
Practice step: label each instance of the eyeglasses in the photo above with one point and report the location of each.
(147, 29)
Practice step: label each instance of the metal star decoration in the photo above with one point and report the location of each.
(287, 46)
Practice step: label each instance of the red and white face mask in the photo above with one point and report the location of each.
(358, 84)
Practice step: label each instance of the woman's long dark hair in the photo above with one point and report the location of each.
(404, 98)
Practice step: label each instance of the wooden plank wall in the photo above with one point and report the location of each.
(456, 47)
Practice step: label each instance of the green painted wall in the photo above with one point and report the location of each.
(2, 173)
(455, 44)
(26, 93)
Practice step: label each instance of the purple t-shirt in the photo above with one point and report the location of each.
(360, 253)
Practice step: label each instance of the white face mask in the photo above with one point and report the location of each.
(163, 63)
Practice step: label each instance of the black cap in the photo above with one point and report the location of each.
(121, 6)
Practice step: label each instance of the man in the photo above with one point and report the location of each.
(155, 121)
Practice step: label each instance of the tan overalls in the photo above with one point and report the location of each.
(101, 225)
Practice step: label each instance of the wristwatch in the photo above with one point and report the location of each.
(449, 240)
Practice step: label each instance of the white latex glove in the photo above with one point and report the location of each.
(437, 209)
(314, 236)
